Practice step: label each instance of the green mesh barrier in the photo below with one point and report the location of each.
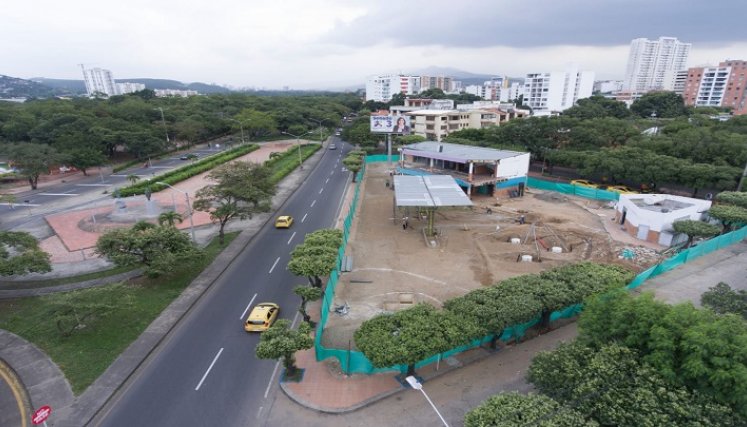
(589, 193)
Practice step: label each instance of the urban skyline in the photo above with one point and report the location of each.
(331, 43)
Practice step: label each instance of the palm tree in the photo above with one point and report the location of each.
(133, 178)
(170, 218)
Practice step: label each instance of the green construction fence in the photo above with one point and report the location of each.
(353, 361)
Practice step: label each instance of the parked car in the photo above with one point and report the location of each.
(622, 189)
(584, 183)
(284, 221)
(332, 147)
(263, 315)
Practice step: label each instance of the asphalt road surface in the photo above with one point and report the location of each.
(205, 373)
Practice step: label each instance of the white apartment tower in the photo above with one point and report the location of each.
(99, 81)
(382, 88)
(557, 90)
(653, 64)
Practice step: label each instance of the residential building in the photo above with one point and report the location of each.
(680, 81)
(476, 169)
(608, 86)
(99, 81)
(557, 90)
(444, 83)
(496, 89)
(652, 64)
(129, 87)
(650, 216)
(382, 88)
(720, 86)
(175, 92)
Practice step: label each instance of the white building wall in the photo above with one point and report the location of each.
(514, 166)
(98, 80)
(653, 64)
(659, 221)
(381, 88)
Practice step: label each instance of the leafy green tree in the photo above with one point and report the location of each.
(597, 107)
(723, 300)
(84, 158)
(160, 249)
(33, 160)
(514, 409)
(736, 198)
(170, 218)
(316, 256)
(731, 216)
(241, 190)
(695, 229)
(664, 104)
(409, 336)
(307, 294)
(280, 341)
(609, 385)
(398, 99)
(20, 254)
(132, 178)
(354, 163)
(694, 348)
(72, 311)
(432, 93)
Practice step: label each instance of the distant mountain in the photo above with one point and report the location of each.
(12, 87)
(79, 87)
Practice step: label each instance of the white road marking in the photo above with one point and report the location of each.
(92, 185)
(320, 190)
(291, 238)
(209, 368)
(15, 205)
(304, 217)
(57, 194)
(274, 371)
(326, 181)
(273, 265)
(313, 203)
(247, 307)
(160, 167)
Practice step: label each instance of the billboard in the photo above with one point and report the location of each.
(391, 124)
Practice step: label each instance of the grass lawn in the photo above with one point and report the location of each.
(34, 284)
(110, 318)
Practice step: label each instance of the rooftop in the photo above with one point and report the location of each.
(458, 151)
(429, 191)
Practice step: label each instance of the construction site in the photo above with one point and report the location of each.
(398, 257)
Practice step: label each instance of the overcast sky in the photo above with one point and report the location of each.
(305, 44)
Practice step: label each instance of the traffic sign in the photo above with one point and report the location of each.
(41, 414)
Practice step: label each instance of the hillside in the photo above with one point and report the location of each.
(12, 87)
(77, 86)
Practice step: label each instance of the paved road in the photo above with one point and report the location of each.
(206, 369)
(54, 198)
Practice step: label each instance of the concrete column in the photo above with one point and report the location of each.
(471, 169)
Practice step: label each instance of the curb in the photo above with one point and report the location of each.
(20, 293)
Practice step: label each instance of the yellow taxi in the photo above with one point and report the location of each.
(284, 221)
(622, 189)
(584, 183)
(263, 315)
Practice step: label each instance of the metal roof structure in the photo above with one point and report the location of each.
(457, 152)
(428, 191)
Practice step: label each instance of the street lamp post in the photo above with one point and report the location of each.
(321, 138)
(298, 142)
(163, 120)
(414, 383)
(189, 209)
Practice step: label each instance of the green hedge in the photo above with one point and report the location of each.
(180, 174)
(287, 161)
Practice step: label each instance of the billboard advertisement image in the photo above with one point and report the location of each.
(391, 124)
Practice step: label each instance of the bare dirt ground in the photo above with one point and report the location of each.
(394, 267)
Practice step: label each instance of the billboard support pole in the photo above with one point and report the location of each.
(389, 150)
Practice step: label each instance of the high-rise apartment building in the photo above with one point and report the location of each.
(444, 83)
(653, 64)
(382, 88)
(99, 81)
(557, 90)
(721, 86)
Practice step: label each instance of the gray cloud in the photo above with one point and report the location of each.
(485, 23)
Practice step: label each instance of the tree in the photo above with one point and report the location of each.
(160, 249)
(33, 160)
(723, 300)
(597, 107)
(132, 178)
(514, 409)
(20, 254)
(698, 349)
(84, 158)
(280, 341)
(316, 256)
(731, 216)
(353, 163)
(695, 229)
(241, 190)
(307, 294)
(610, 385)
(409, 336)
(170, 218)
(78, 310)
(664, 104)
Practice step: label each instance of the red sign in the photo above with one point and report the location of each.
(41, 414)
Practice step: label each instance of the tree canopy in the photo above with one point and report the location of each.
(20, 254)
